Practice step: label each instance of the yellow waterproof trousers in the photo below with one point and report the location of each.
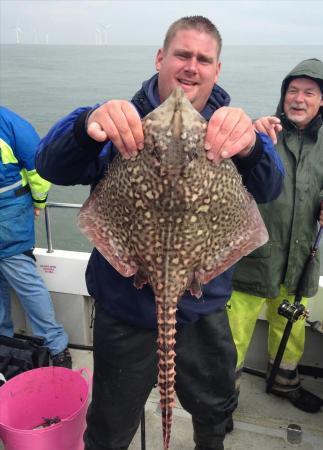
(243, 311)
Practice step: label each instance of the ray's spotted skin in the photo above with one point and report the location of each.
(172, 218)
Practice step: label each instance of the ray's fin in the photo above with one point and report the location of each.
(244, 241)
(104, 235)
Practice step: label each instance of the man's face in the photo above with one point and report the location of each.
(190, 62)
(302, 102)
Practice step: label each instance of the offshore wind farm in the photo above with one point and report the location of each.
(33, 36)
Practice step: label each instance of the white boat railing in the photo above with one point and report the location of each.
(48, 221)
(315, 306)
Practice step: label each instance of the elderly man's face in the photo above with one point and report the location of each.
(190, 61)
(302, 102)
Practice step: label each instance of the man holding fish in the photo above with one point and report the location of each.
(80, 149)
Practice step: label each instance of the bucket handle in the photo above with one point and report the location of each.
(85, 372)
(2, 379)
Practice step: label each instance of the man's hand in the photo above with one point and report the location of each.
(321, 218)
(269, 125)
(36, 212)
(230, 132)
(118, 121)
(321, 214)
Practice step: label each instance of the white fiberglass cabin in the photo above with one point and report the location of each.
(260, 421)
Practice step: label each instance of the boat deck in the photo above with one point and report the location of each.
(260, 421)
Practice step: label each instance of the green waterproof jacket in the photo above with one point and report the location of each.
(291, 219)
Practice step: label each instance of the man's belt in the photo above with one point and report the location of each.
(22, 190)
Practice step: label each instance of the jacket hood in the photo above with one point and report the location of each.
(219, 97)
(309, 68)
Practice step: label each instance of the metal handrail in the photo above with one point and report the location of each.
(47, 220)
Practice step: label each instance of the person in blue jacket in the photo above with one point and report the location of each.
(78, 149)
(23, 194)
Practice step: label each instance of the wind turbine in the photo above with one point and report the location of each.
(19, 33)
(36, 40)
(98, 38)
(105, 31)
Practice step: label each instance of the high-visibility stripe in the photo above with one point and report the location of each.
(11, 186)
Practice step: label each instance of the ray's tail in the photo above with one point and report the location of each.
(166, 318)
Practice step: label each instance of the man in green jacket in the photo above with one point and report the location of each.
(271, 273)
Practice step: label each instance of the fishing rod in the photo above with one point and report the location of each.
(294, 311)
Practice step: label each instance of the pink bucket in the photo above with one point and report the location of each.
(28, 399)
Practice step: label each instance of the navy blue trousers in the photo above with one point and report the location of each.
(125, 371)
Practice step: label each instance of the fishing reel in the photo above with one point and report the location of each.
(292, 311)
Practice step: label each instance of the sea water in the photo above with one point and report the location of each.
(45, 82)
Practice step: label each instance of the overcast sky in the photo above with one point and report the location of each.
(145, 22)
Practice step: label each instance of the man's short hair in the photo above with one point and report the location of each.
(198, 23)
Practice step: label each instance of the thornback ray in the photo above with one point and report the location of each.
(172, 218)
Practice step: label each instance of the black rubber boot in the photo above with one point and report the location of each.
(220, 446)
(229, 425)
(301, 399)
(209, 436)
